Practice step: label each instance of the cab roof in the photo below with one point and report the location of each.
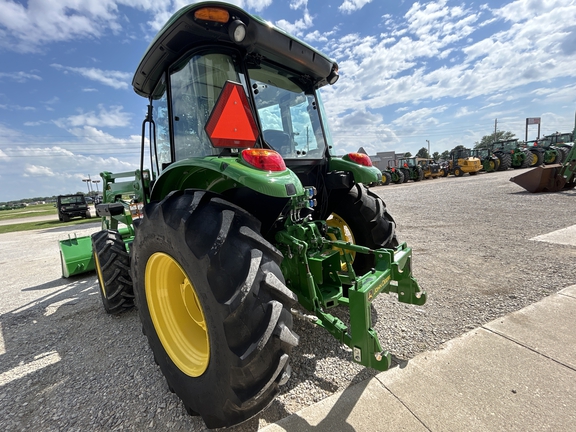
(183, 32)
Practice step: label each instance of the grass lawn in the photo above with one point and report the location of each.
(39, 210)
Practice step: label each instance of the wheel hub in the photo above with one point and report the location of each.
(177, 314)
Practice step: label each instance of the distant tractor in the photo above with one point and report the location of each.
(411, 169)
(394, 171)
(512, 154)
(463, 162)
(555, 147)
(553, 177)
(71, 206)
(430, 168)
(490, 162)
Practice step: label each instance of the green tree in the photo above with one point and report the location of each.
(407, 154)
(458, 147)
(445, 155)
(436, 155)
(489, 139)
(423, 153)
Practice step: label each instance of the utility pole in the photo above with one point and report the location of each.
(495, 128)
(97, 191)
(88, 180)
(428, 141)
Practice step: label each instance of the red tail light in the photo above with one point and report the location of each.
(359, 158)
(264, 159)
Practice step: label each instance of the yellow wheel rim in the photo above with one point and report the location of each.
(336, 221)
(99, 273)
(177, 315)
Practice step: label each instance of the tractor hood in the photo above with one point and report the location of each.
(189, 27)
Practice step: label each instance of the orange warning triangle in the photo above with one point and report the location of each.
(231, 123)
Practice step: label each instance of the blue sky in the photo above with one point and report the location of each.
(440, 70)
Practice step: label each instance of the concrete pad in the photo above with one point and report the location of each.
(565, 236)
(548, 327)
(485, 382)
(569, 291)
(366, 406)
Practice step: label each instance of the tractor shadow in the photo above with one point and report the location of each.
(51, 356)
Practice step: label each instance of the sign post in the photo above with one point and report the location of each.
(531, 121)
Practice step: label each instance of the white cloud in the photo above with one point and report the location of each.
(110, 118)
(378, 72)
(38, 171)
(27, 27)
(349, 6)
(16, 107)
(296, 28)
(20, 76)
(111, 78)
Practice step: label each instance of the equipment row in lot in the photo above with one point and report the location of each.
(501, 156)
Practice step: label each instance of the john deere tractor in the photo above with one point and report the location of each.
(512, 154)
(552, 177)
(239, 212)
(411, 169)
(395, 172)
(553, 149)
(490, 162)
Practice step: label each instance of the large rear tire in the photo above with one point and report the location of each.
(406, 174)
(399, 177)
(213, 304)
(538, 158)
(386, 178)
(112, 264)
(505, 161)
(367, 218)
(527, 162)
(419, 174)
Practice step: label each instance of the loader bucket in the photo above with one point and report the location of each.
(76, 255)
(541, 179)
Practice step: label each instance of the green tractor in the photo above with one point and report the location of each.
(511, 154)
(490, 162)
(411, 169)
(395, 172)
(238, 213)
(552, 177)
(554, 148)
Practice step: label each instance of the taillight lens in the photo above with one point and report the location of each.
(360, 158)
(264, 159)
(212, 14)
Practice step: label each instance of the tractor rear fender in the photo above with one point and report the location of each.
(361, 173)
(219, 174)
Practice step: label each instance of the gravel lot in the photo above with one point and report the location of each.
(66, 365)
